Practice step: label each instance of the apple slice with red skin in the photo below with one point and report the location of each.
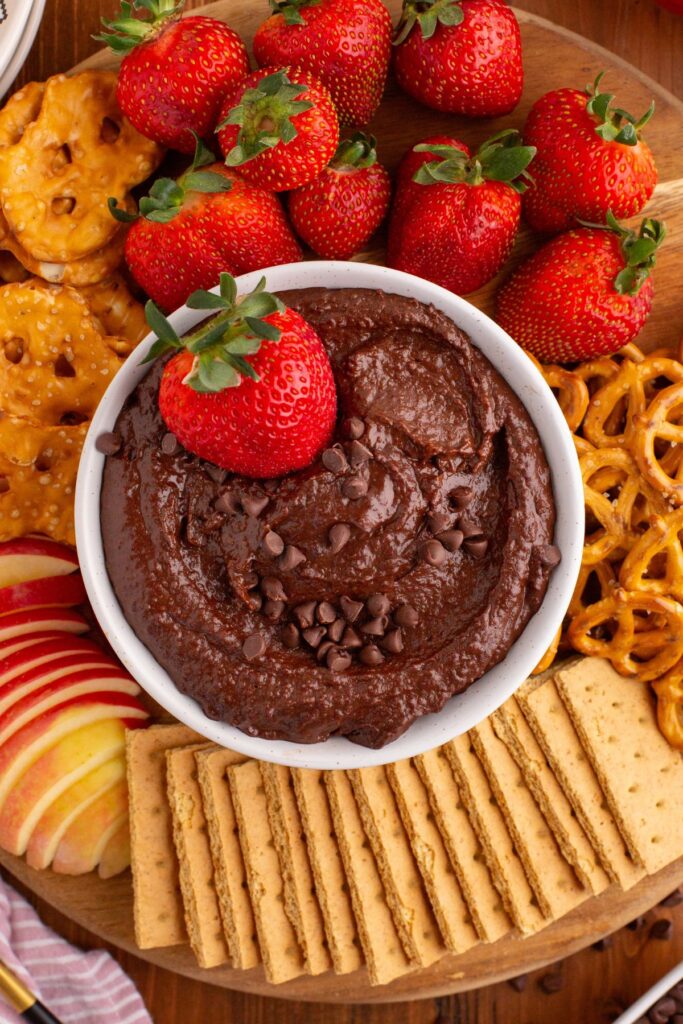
(56, 770)
(81, 846)
(20, 643)
(50, 592)
(44, 652)
(49, 830)
(56, 671)
(35, 620)
(115, 856)
(33, 558)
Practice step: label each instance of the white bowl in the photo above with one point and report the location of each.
(463, 711)
(17, 33)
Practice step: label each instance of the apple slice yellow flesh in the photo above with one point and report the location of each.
(32, 558)
(116, 854)
(48, 592)
(46, 651)
(34, 620)
(82, 844)
(24, 640)
(54, 671)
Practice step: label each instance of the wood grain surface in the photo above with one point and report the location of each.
(597, 985)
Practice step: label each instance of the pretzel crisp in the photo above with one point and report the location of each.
(20, 110)
(661, 424)
(122, 317)
(77, 152)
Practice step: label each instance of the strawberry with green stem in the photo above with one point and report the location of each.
(250, 389)
(585, 293)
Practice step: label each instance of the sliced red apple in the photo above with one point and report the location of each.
(24, 623)
(18, 643)
(55, 672)
(53, 772)
(33, 558)
(81, 846)
(51, 592)
(49, 830)
(116, 854)
(45, 652)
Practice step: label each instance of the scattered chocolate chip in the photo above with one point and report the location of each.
(274, 610)
(354, 427)
(291, 558)
(325, 613)
(662, 929)
(108, 443)
(314, 635)
(673, 899)
(227, 502)
(662, 1011)
(375, 627)
(326, 646)
(254, 504)
(393, 642)
(251, 580)
(355, 487)
(451, 540)
(273, 589)
(216, 473)
(253, 646)
(636, 924)
(406, 616)
(551, 983)
(439, 521)
(290, 636)
(350, 609)
(550, 555)
(338, 536)
(335, 630)
(338, 661)
(335, 460)
(371, 655)
(351, 639)
(433, 552)
(519, 983)
(469, 528)
(378, 604)
(305, 614)
(462, 496)
(255, 601)
(602, 944)
(273, 544)
(358, 454)
(476, 546)
(170, 444)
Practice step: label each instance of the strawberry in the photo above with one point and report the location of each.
(590, 159)
(584, 293)
(460, 56)
(251, 389)
(279, 127)
(344, 43)
(338, 212)
(207, 221)
(175, 71)
(455, 222)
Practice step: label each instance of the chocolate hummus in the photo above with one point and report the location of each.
(363, 592)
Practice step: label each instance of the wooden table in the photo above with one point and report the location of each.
(597, 985)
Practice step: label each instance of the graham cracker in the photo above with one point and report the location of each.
(543, 709)
(403, 886)
(157, 904)
(640, 774)
(506, 868)
(282, 957)
(228, 864)
(328, 870)
(512, 728)
(301, 903)
(483, 900)
(190, 835)
(384, 953)
(551, 877)
(440, 880)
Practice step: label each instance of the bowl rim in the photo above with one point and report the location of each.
(463, 711)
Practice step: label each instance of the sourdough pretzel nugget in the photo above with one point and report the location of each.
(77, 152)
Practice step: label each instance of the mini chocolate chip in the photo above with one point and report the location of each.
(439, 521)
(462, 496)
(468, 528)
(550, 555)
(227, 502)
(663, 1010)
(216, 473)
(253, 647)
(326, 646)
(451, 540)
(273, 544)
(551, 983)
(350, 609)
(673, 899)
(677, 1017)
(335, 630)
(350, 638)
(355, 487)
(273, 589)
(338, 536)
(358, 454)
(335, 460)
(602, 944)
(290, 636)
(314, 635)
(376, 626)
(662, 929)
(273, 610)
(305, 614)
(251, 580)
(393, 642)
(433, 552)
(325, 613)
(406, 616)
(519, 983)
(354, 427)
(170, 444)
(291, 558)
(338, 661)
(108, 443)
(636, 924)
(254, 504)
(476, 546)
(371, 655)
(378, 604)
(255, 601)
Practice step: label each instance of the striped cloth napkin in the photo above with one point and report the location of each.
(79, 988)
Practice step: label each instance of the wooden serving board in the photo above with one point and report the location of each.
(553, 57)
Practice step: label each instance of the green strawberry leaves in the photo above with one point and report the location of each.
(639, 250)
(427, 14)
(265, 117)
(126, 31)
(614, 123)
(221, 343)
(358, 152)
(500, 158)
(290, 9)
